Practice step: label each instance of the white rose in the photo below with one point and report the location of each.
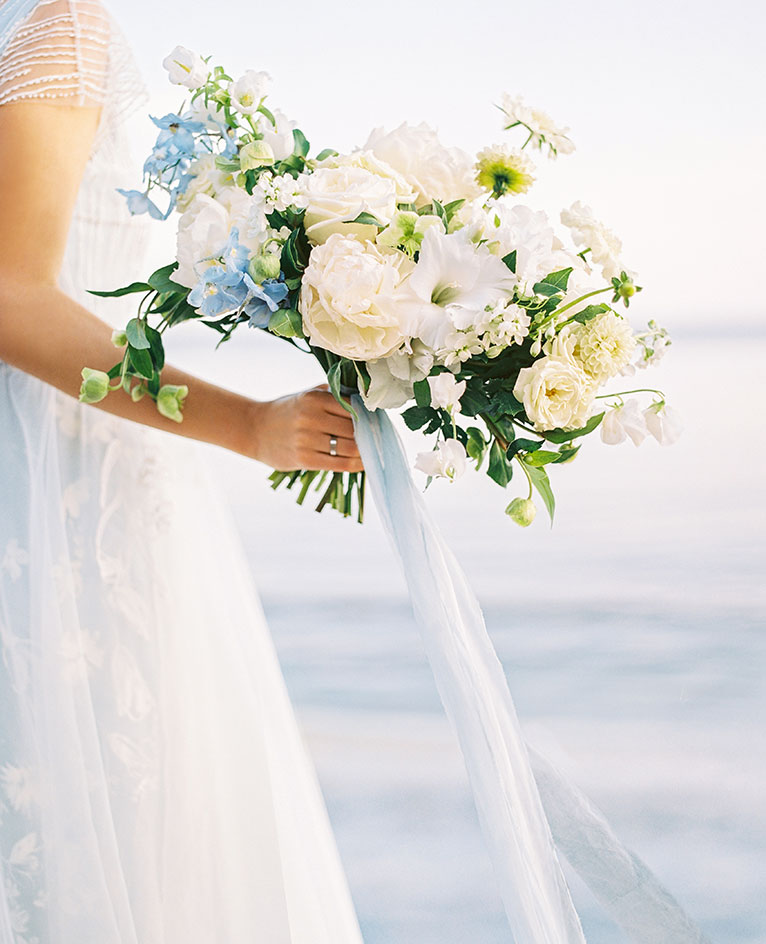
(556, 393)
(248, 92)
(664, 423)
(186, 68)
(392, 377)
(622, 422)
(447, 460)
(337, 195)
(368, 161)
(434, 171)
(446, 392)
(347, 298)
(279, 137)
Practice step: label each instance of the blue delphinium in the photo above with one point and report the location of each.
(177, 133)
(139, 203)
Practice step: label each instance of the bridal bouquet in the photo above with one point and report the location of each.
(406, 269)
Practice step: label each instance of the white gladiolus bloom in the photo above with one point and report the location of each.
(248, 92)
(604, 345)
(335, 196)
(186, 68)
(540, 125)
(392, 378)
(589, 233)
(433, 171)
(446, 392)
(664, 423)
(348, 298)
(447, 460)
(556, 393)
(623, 422)
(451, 286)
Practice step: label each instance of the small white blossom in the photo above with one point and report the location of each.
(447, 460)
(539, 124)
(664, 423)
(446, 392)
(282, 191)
(589, 233)
(623, 421)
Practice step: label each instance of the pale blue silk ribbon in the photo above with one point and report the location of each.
(522, 802)
(12, 13)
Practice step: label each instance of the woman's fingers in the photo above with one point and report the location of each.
(320, 460)
(320, 442)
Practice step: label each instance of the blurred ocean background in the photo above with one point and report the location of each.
(633, 632)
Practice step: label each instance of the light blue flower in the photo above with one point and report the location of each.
(178, 131)
(265, 299)
(139, 203)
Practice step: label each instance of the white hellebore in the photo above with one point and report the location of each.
(347, 298)
(623, 422)
(433, 171)
(336, 196)
(447, 460)
(589, 233)
(556, 393)
(446, 392)
(186, 68)
(664, 423)
(248, 92)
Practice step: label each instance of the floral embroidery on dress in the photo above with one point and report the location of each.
(14, 559)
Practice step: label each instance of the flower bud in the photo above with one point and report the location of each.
(95, 385)
(119, 338)
(626, 289)
(170, 401)
(267, 265)
(137, 392)
(522, 511)
(255, 154)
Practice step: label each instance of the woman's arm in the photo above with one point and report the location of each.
(43, 152)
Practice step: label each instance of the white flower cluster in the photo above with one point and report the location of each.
(627, 421)
(496, 328)
(588, 233)
(541, 127)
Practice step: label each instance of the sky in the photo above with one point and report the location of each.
(664, 99)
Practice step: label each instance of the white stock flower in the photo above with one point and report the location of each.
(186, 68)
(279, 137)
(446, 392)
(604, 345)
(392, 377)
(452, 284)
(348, 298)
(335, 196)
(540, 125)
(367, 160)
(433, 171)
(623, 421)
(556, 393)
(589, 233)
(282, 191)
(447, 460)
(248, 92)
(664, 423)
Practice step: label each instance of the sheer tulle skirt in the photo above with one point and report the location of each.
(153, 783)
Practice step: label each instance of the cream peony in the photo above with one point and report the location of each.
(347, 298)
(432, 170)
(186, 68)
(604, 346)
(335, 196)
(556, 393)
(368, 161)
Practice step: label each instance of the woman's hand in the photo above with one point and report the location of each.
(294, 433)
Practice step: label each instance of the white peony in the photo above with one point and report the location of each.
(446, 392)
(392, 377)
(539, 124)
(186, 68)
(556, 393)
(348, 298)
(248, 92)
(604, 345)
(447, 460)
(452, 284)
(622, 422)
(335, 196)
(664, 423)
(368, 161)
(589, 233)
(279, 137)
(432, 170)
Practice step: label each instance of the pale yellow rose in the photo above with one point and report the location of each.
(556, 393)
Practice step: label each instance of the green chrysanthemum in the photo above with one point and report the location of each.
(501, 170)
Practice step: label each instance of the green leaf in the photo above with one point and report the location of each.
(328, 152)
(542, 483)
(286, 323)
(295, 253)
(417, 416)
(141, 361)
(441, 213)
(265, 111)
(554, 283)
(522, 445)
(500, 469)
(565, 435)
(368, 219)
(474, 401)
(301, 148)
(160, 280)
(227, 166)
(137, 335)
(156, 346)
(131, 289)
(510, 260)
(590, 312)
(541, 457)
(503, 403)
(422, 391)
(476, 445)
(450, 209)
(334, 380)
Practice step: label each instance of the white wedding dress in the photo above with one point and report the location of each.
(154, 788)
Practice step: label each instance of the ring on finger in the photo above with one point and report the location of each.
(333, 445)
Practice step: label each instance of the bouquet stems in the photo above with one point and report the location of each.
(344, 491)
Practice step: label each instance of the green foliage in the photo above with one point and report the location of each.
(500, 468)
(141, 362)
(131, 289)
(137, 335)
(476, 445)
(327, 152)
(416, 417)
(539, 478)
(565, 435)
(510, 260)
(553, 284)
(503, 403)
(522, 445)
(295, 254)
(335, 380)
(368, 219)
(588, 313)
(161, 282)
(474, 401)
(422, 391)
(286, 323)
(301, 145)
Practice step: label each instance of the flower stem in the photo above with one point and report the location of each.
(624, 393)
(526, 472)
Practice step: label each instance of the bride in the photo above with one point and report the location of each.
(154, 788)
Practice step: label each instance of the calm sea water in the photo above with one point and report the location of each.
(633, 635)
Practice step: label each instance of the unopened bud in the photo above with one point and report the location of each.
(522, 511)
(267, 265)
(119, 338)
(255, 154)
(170, 401)
(95, 385)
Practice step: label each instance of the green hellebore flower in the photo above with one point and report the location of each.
(170, 401)
(522, 511)
(267, 265)
(255, 154)
(95, 385)
(119, 338)
(137, 392)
